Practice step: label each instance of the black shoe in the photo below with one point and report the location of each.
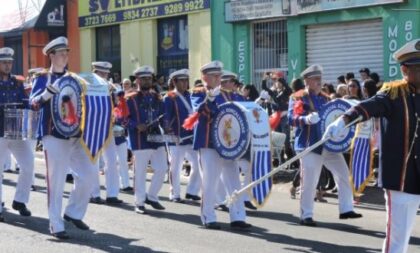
(21, 207)
(240, 225)
(1, 217)
(127, 189)
(33, 188)
(156, 205)
(222, 208)
(350, 215)
(212, 225)
(177, 200)
(113, 201)
(140, 209)
(192, 197)
(78, 223)
(2, 204)
(249, 205)
(61, 235)
(69, 178)
(97, 200)
(308, 222)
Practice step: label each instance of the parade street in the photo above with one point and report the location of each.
(178, 228)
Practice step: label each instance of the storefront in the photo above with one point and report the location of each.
(345, 37)
(166, 34)
(251, 38)
(27, 36)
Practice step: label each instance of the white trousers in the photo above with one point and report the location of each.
(311, 169)
(7, 164)
(111, 172)
(246, 169)
(123, 164)
(211, 167)
(24, 155)
(221, 192)
(159, 163)
(59, 156)
(401, 209)
(177, 155)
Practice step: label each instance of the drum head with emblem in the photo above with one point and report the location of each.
(330, 112)
(66, 106)
(230, 132)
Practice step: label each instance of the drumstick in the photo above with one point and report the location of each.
(234, 197)
(154, 121)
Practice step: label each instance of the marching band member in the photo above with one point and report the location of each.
(303, 114)
(102, 69)
(177, 108)
(120, 134)
(12, 92)
(205, 102)
(61, 152)
(398, 105)
(145, 112)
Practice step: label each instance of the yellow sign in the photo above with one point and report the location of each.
(104, 12)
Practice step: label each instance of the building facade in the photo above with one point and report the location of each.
(27, 37)
(347, 37)
(259, 36)
(250, 36)
(166, 34)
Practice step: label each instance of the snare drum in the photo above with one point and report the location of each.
(118, 131)
(160, 138)
(20, 124)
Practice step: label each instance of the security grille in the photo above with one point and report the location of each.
(269, 49)
(346, 47)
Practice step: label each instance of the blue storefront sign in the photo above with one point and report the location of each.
(106, 12)
(172, 44)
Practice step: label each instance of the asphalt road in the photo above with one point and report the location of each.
(178, 228)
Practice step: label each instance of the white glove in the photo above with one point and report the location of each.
(50, 91)
(212, 94)
(312, 118)
(264, 95)
(335, 130)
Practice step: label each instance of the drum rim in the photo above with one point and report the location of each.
(213, 131)
(327, 145)
(54, 102)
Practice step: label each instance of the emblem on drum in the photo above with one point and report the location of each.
(328, 114)
(66, 106)
(230, 132)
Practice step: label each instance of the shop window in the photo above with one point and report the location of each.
(108, 47)
(269, 48)
(173, 45)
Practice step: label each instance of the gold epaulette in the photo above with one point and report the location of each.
(395, 88)
(199, 90)
(131, 95)
(171, 94)
(41, 73)
(299, 94)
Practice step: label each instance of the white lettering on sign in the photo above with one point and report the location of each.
(392, 46)
(241, 60)
(407, 28)
(294, 63)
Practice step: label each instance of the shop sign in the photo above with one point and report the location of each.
(256, 9)
(53, 15)
(173, 36)
(307, 6)
(107, 12)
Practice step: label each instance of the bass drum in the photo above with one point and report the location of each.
(330, 112)
(66, 106)
(229, 131)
